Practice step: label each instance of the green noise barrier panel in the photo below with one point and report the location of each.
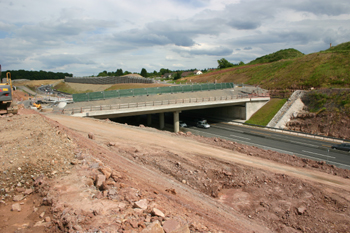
(101, 95)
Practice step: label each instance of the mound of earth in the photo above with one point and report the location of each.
(67, 174)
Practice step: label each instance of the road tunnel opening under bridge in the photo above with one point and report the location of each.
(168, 120)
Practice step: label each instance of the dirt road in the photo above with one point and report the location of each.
(231, 189)
(69, 174)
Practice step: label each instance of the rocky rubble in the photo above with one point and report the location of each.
(30, 151)
(69, 182)
(40, 159)
(331, 124)
(108, 204)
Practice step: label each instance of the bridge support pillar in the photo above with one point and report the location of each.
(177, 121)
(149, 119)
(161, 120)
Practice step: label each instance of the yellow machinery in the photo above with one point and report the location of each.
(6, 104)
(38, 106)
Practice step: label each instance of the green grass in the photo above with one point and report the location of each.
(264, 115)
(281, 70)
(277, 56)
(329, 100)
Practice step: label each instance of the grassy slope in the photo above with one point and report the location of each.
(336, 101)
(264, 115)
(63, 87)
(325, 69)
(277, 56)
(329, 68)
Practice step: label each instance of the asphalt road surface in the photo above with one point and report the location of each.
(305, 147)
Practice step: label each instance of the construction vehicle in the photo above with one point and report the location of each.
(6, 95)
(37, 105)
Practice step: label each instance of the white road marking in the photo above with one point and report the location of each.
(234, 130)
(240, 137)
(274, 149)
(304, 143)
(318, 154)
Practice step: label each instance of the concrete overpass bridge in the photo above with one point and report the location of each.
(238, 103)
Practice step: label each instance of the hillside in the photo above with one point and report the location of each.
(325, 69)
(329, 113)
(277, 56)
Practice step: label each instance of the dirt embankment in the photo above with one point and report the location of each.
(63, 174)
(326, 123)
(330, 114)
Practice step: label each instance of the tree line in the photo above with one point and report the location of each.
(35, 75)
(145, 73)
(222, 63)
(41, 75)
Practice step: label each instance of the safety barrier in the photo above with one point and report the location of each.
(109, 79)
(150, 91)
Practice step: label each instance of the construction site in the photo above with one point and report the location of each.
(67, 174)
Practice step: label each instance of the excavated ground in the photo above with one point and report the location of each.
(330, 124)
(66, 174)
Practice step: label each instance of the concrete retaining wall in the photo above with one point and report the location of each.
(294, 104)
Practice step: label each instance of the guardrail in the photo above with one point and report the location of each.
(160, 103)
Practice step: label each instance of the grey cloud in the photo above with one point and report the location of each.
(58, 31)
(249, 15)
(248, 48)
(244, 25)
(218, 51)
(141, 38)
(55, 61)
(325, 7)
(177, 32)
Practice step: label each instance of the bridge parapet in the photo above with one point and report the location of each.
(159, 103)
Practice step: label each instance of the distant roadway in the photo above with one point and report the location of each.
(305, 147)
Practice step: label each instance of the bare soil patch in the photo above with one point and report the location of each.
(90, 175)
(82, 87)
(35, 83)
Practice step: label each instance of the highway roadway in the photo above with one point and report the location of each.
(305, 147)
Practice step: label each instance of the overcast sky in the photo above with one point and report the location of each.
(85, 37)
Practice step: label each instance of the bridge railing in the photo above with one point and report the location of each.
(70, 111)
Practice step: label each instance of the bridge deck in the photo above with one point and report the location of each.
(138, 99)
